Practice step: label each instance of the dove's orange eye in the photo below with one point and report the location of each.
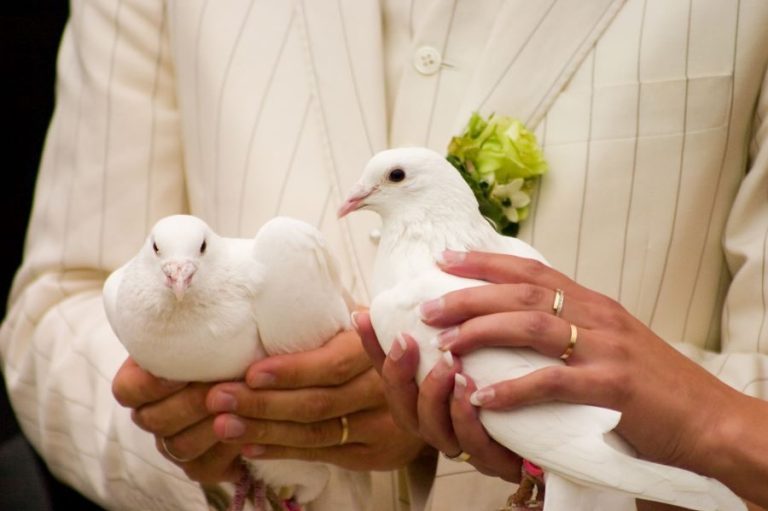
(396, 175)
(154, 247)
(203, 247)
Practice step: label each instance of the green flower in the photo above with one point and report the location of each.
(500, 160)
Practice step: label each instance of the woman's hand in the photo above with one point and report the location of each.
(438, 410)
(673, 411)
(175, 413)
(291, 406)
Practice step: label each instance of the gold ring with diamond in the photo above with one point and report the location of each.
(557, 305)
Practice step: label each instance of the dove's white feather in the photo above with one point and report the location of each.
(239, 300)
(432, 209)
(209, 335)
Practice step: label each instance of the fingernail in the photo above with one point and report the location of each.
(260, 380)
(444, 365)
(459, 386)
(223, 402)
(482, 396)
(233, 428)
(353, 318)
(446, 337)
(431, 309)
(398, 348)
(253, 450)
(447, 257)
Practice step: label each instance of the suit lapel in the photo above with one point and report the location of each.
(532, 52)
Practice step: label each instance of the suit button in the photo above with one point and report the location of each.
(427, 60)
(374, 236)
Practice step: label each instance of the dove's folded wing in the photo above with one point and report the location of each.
(300, 303)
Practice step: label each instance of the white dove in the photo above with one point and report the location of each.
(196, 306)
(426, 207)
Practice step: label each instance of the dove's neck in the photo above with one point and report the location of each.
(411, 238)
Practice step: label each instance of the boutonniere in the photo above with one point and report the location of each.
(501, 161)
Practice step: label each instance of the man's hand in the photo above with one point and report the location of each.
(175, 413)
(291, 406)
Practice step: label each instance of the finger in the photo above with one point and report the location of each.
(433, 405)
(337, 361)
(398, 374)
(326, 433)
(487, 456)
(190, 443)
(306, 405)
(362, 323)
(457, 306)
(220, 463)
(547, 334)
(174, 413)
(504, 268)
(556, 383)
(133, 387)
(376, 443)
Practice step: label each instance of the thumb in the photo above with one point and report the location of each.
(361, 320)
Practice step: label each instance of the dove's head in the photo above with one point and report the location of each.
(406, 181)
(177, 245)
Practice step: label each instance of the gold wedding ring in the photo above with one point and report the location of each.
(571, 343)
(168, 453)
(557, 305)
(462, 456)
(344, 430)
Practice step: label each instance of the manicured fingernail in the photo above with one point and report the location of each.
(444, 365)
(353, 318)
(459, 386)
(447, 337)
(223, 402)
(398, 348)
(252, 450)
(431, 309)
(482, 396)
(233, 428)
(261, 380)
(447, 257)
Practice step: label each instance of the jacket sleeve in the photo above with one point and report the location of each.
(111, 165)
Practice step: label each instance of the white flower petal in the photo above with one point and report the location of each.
(520, 199)
(511, 214)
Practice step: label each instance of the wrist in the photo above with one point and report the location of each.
(737, 447)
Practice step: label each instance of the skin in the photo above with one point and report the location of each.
(289, 406)
(617, 363)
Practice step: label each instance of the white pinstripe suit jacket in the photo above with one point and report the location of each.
(650, 113)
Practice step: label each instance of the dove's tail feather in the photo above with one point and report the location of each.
(616, 471)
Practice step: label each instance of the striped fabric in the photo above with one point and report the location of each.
(650, 113)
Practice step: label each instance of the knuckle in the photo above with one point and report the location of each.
(537, 324)
(529, 295)
(319, 407)
(320, 434)
(531, 269)
(555, 382)
(340, 371)
(150, 421)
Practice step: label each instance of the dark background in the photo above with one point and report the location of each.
(29, 37)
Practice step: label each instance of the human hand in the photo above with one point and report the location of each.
(438, 410)
(175, 413)
(617, 363)
(290, 406)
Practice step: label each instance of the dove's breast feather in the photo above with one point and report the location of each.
(208, 336)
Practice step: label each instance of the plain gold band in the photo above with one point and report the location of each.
(557, 305)
(168, 452)
(461, 457)
(571, 343)
(344, 430)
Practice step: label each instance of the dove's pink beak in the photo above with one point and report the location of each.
(355, 200)
(178, 276)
